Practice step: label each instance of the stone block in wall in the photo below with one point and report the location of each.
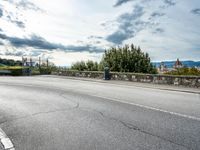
(155, 80)
(77, 74)
(176, 81)
(125, 78)
(133, 77)
(187, 82)
(89, 75)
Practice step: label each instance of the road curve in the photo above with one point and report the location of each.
(50, 113)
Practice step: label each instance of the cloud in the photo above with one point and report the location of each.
(157, 14)
(95, 37)
(158, 30)
(38, 42)
(15, 21)
(129, 25)
(14, 53)
(120, 2)
(1, 12)
(18, 23)
(25, 4)
(170, 2)
(196, 11)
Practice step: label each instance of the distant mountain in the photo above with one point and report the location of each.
(170, 64)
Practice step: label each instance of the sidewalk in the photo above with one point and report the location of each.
(136, 84)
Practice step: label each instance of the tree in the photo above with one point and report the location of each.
(85, 66)
(10, 62)
(81, 66)
(128, 59)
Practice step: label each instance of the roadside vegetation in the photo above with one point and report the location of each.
(185, 71)
(120, 59)
(129, 58)
(9, 62)
(16, 69)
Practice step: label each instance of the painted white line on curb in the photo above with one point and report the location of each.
(151, 108)
(5, 141)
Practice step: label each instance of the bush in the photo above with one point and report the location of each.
(16, 72)
(185, 71)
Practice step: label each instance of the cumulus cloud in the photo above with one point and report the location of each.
(1, 12)
(120, 2)
(10, 17)
(18, 23)
(129, 25)
(95, 37)
(158, 30)
(14, 53)
(25, 4)
(157, 14)
(196, 11)
(170, 2)
(38, 42)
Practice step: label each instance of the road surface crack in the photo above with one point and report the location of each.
(135, 128)
(40, 113)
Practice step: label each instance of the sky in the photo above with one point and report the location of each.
(66, 31)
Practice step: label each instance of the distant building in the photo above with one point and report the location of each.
(162, 68)
(178, 64)
(29, 63)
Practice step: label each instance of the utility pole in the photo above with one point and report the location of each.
(22, 66)
(47, 62)
(39, 62)
(31, 62)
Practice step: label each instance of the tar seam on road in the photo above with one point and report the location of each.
(5, 141)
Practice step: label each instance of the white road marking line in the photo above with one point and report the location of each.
(151, 108)
(5, 141)
(2, 134)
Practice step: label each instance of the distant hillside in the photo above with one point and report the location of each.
(170, 64)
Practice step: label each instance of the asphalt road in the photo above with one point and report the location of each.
(50, 113)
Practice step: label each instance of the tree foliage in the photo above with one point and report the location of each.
(128, 59)
(85, 66)
(10, 62)
(121, 59)
(185, 71)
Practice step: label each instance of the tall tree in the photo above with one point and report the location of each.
(128, 59)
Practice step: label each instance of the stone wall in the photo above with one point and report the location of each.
(189, 81)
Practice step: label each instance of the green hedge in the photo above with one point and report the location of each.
(16, 72)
